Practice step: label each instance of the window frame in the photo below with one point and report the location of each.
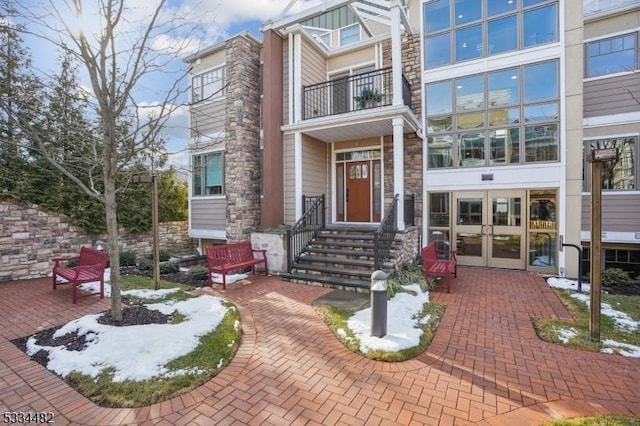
(199, 170)
(217, 94)
(483, 117)
(587, 55)
(452, 30)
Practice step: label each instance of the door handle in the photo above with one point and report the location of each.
(347, 195)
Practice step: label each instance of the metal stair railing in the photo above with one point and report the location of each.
(385, 234)
(306, 228)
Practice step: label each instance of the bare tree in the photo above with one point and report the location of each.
(116, 57)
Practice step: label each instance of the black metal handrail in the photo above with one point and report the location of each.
(306, 228)
(385, 234)
(356, 92)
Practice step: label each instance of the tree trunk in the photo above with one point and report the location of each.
(114, 251)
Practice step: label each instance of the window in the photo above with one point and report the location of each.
(208, 174)
(462, 30)
(504, 117)
(620, 174)
(612, 55)
(208, 85)
(349, 35)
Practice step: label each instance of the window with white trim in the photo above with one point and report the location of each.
(617, 175)
(208, 174)
(208, 85)
(612, 55)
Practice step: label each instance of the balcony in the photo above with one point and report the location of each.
(358, 92)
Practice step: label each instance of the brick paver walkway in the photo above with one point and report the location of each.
(485, 366)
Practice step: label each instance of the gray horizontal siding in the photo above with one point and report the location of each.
(620, 212)
(208, 214)
(207, 118)
(613, 95)
(289, 180)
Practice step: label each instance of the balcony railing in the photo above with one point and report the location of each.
(371, 89)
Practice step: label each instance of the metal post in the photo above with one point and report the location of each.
(378, 304)
(596, 250)
(156, 236)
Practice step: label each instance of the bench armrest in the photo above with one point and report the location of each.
(453, 253)
(264, 252)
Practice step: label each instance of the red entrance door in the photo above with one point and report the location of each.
(358, 185)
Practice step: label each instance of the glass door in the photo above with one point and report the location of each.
(489, 229)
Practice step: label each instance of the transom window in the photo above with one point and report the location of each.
(461, 30)
(208, 85)
(612, 55)
(208, 174)
(504, 117)
(617, 175)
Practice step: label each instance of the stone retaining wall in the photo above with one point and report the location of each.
(30, 237)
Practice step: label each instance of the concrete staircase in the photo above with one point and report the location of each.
(340, 257)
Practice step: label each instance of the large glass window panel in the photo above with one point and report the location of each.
(439, 98)
(527, 3)
(214, 174)
(540, 25)
(542, 249)
(502, 34)
(504, 146)
(470, 93)
(507, 211)
(498, 7)
(436, 15)
(617, 54)
(541, 112)
(440, 124)
(471, 149)
(500, 117)
(474, 120)
(541, 81)
(469, 43)
(541, 143)
(467, 11)
(438, 50)
(440, 151)
(503, 87)
(439, 209)
(349, 35)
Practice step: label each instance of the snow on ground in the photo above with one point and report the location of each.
(621, 319)
(402, 330)
(135, 352)
(95, 286)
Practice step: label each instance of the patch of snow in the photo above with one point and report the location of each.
(624, 349)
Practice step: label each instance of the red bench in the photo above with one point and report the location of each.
(439, 263)
(230, 257)
(90, 267)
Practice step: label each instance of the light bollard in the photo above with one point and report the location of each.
(378, 304)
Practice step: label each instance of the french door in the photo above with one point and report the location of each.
(490, 228)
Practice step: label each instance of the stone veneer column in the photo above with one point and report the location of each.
(242, 139)
(412, 143)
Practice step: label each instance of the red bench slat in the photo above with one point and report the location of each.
(434, 266)
(229, 257)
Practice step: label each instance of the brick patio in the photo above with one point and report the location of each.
(485, 366)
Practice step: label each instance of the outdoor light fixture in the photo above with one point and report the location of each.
(378, 304)
(99, 245)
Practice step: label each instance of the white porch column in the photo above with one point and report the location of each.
(297, 170)
(396, 53)
(297, 78)
(398, 168)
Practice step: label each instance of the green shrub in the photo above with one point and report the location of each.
(145, 265)
(164, 256)
(408, 273)
(169, 267)
(615, 277)
(199, 273)
(127, 258)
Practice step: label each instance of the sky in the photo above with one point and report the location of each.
(194, 24)
(152, 346)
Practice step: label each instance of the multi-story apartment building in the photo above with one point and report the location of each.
(461, 117)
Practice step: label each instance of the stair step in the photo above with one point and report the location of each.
(327, 280)
(340, 252)
(349, 244)
(362, 273)
(339, 261)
